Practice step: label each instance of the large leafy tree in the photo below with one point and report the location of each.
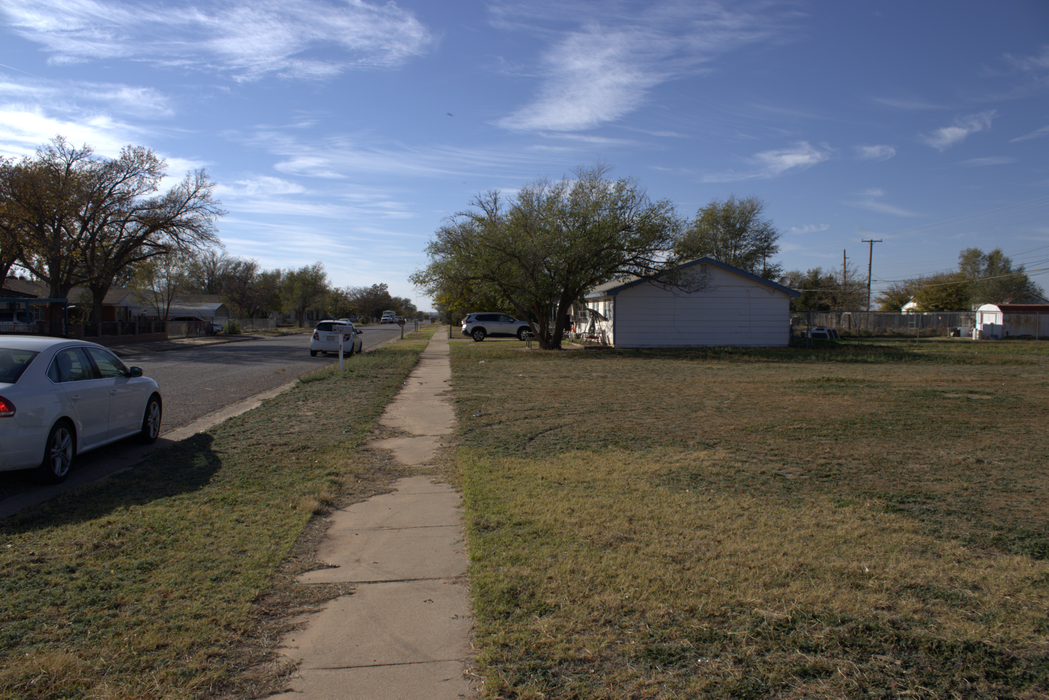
(982, 278)
(945, 292)
(369, 302)
(993, 280)
(81, 219)
(734, 232)
(303, 289)
(827, 290)
(817, 289)
(543, 249)
(131, 227)
(42, 197)
(897, 295)
(161, 279)
(10, 230)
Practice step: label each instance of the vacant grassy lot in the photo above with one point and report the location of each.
(864, 520)
(171, 580)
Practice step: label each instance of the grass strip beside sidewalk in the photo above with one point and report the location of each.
(844, 522)
(156, 582)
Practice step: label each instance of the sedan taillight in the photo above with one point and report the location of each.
(316, 335)
(7, 409)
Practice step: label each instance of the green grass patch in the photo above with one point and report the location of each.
(756, 524)
(154, 582)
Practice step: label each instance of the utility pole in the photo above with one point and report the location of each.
(844, 276)
(870, 259)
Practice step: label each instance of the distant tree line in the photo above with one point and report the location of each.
(981, 278)
(252, 292)
(73, 219)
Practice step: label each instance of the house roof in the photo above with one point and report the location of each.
(18, 287)
(116, 296)
(616, 286)
(201, 311)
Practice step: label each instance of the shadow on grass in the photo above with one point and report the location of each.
(184, 467)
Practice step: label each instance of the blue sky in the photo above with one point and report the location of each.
(346, 131)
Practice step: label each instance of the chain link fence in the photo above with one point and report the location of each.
(862, 323)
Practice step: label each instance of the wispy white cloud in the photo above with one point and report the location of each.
(998, 160)
(1037, 64)
(260, 186)
(77, 97)
(910, 105)
(769, 164)
(809, 228)
(348, 156)
(803, 155)
(598, 70)
(24, 129)
(880, 152)
(945, 137)
(34, 111)
(871, 200)
(247, 39)
(1036, 134)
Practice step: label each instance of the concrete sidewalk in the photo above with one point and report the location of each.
(405, 631)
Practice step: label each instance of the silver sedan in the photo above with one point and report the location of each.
(60, 397)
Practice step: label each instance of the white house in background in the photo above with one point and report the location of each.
(1013, 320)
(701, 303)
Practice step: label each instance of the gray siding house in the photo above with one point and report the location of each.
(703, 303)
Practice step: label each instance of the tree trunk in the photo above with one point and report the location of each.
(98, 298)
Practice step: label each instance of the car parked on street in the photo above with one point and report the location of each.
(325, 338)
(819, 332)
(17, 320)
(59, 398)
(481, 325)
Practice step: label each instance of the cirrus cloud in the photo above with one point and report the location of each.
(947, 136)
(247, 39)
(880, 152)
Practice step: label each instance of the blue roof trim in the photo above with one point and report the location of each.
(614, 291)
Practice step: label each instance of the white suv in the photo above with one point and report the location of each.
(325, 339)
(479, 326)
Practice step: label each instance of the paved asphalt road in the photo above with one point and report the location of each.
(199, 381)
(195, 382)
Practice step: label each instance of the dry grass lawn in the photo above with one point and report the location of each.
(848, 521)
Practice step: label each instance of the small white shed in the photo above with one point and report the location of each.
(1013, 320)
(702, 303)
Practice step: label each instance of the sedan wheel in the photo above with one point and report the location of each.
(151, 421)
(313, 353)
(523, 333)
(58, 453)
(478, 334)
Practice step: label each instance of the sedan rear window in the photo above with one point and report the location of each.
(13, 363)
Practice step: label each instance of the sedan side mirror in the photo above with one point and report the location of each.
(136, 371)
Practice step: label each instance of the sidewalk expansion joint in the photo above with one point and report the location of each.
(392, 528)
(390, 580)
(398, 663)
